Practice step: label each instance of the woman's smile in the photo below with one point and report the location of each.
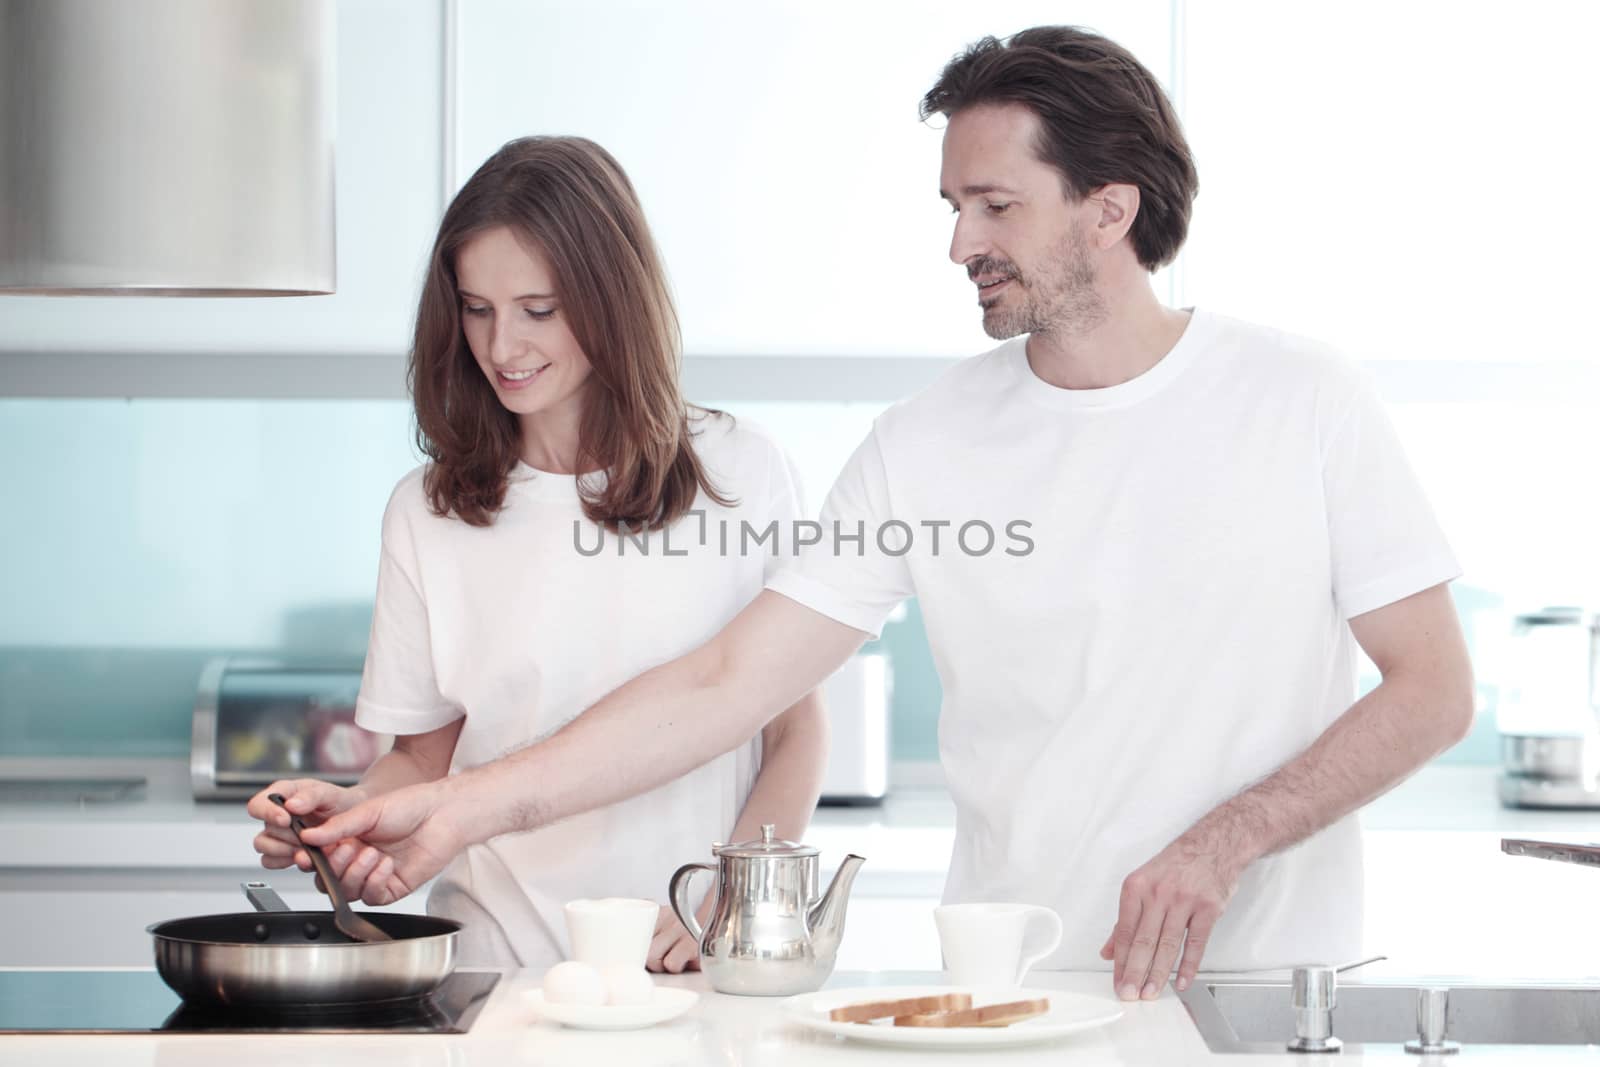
(520, 379)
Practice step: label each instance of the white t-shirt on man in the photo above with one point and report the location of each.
(521, 625)
(1156, 619)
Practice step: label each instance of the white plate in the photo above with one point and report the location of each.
(1069, 1013)
(668, 1003)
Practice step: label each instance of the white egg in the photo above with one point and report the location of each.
(628, 985)
(574, 983)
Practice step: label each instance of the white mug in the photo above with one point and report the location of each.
(983, 943)
(611, 930)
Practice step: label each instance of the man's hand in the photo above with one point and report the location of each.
(400, 839)
(1170, 905)
(309, 798)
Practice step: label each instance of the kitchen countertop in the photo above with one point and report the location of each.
(721, 1030)
(908, 838)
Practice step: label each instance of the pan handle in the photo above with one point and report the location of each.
(262, 896)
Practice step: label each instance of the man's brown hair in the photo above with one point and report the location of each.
(1103, 119)
(570, 199)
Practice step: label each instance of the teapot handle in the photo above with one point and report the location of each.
(678, 893)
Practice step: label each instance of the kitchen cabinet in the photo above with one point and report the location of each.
(388, 200)
(97, 917)
(775, 146)
(1289, 143)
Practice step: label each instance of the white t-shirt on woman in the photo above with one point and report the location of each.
(1168, 625)
(521, 625)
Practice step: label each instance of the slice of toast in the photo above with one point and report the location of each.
(868, 1010)
(988, 1015)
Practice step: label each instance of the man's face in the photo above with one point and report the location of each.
(1020, 239)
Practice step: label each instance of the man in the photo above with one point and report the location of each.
(1148, 720)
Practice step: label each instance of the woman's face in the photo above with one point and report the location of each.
(515, 326)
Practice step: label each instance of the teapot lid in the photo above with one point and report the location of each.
(768, 846)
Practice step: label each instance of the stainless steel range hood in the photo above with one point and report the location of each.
(167, 147)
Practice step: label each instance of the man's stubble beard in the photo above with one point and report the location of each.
(1061, 299)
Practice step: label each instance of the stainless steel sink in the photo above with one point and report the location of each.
(1245, 1016)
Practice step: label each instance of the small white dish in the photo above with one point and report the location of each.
(1069, 1013)
(668, 1003)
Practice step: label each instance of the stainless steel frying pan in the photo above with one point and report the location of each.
(275, 957)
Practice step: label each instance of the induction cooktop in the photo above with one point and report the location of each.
(120, 1002)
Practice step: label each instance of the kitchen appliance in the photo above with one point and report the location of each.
(770, 932)
(858, 699)
(1550, 736)
(124, 1001)
(260, 720)
(167, 148)
(286, 960)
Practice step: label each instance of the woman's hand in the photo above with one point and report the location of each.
(309, 798)
(672, 950)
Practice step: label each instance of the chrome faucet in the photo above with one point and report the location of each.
(1565, 852)
(1433, 1015)
(1314, 994)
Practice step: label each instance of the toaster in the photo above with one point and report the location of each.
(259, 720)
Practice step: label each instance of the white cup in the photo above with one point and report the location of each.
(611, 930)
(983, 943)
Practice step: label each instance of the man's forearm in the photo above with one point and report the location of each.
(655, 728)
(1377, 743)
(1171, 904)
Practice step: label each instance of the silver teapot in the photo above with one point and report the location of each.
(770, 932)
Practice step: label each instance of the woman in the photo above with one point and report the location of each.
(544, 374)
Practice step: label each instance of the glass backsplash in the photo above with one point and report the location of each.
(141, 538)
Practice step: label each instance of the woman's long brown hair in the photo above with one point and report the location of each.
(568, 197)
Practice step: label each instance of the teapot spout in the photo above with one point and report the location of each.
(826, 919)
